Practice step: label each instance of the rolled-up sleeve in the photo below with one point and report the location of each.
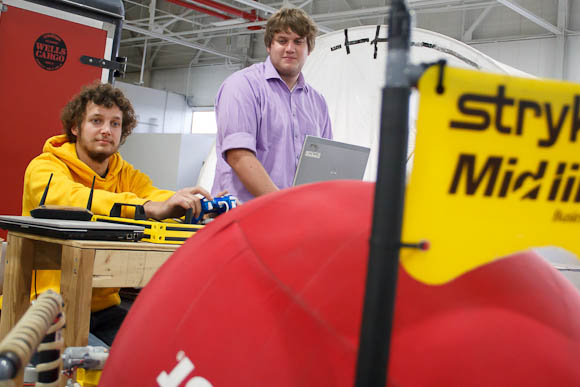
(237, 113)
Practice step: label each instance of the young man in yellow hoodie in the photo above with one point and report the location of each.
(96, 122)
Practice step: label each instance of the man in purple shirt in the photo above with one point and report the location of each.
(265, 111)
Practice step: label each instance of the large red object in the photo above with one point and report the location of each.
(271, 294)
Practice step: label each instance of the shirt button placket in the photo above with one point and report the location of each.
(294, 124)
(296, 129)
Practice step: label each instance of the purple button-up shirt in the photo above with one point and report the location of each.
(255, 110)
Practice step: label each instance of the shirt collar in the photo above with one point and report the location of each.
(270, 72)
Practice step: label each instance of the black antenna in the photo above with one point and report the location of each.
(45, 192)
(90, 202)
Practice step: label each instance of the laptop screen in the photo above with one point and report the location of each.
(323, 160)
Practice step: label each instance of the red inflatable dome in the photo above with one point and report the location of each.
(271, 294)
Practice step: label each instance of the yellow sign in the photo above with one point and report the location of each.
(496, 171)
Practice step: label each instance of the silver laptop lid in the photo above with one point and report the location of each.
(72, 229)
(63, 224)
(323, 160)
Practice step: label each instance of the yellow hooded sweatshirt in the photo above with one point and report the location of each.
(70, 186)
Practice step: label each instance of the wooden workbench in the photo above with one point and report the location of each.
(84, 264)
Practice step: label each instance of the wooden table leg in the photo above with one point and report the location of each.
(76, 289)
(17, 282)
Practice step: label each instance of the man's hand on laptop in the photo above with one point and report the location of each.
(175, 206)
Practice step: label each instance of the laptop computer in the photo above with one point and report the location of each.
(322, 160)
(72, 229)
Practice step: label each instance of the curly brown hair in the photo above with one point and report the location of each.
(102, 94)
(294, 19)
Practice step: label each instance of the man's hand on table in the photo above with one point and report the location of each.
(175, 206)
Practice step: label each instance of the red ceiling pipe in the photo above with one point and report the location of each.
(232, 11)
(200, 9)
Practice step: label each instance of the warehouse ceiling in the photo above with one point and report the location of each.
(168, 34)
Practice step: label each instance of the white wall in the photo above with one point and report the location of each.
(537, 56)
(172, 161)
(158, 111)
(162, 145)
(532, 56)
(204, 82)
(572, 65)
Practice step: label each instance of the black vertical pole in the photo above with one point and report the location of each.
(377, 319)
